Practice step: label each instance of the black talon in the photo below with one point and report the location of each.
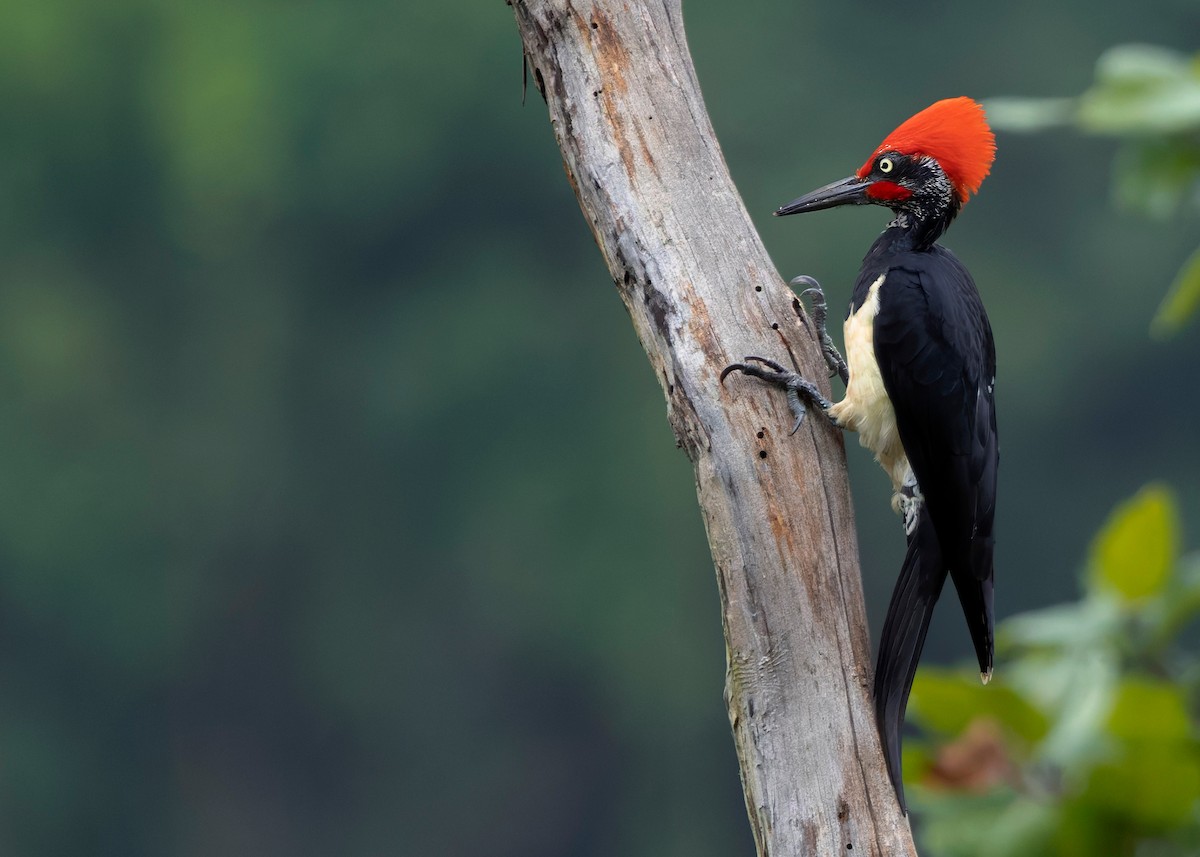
(797, 387)
(770, 364)
(796, 406)
(805, 280)
(753, 371)
(741, 367)
(820, 310)
(820, 314)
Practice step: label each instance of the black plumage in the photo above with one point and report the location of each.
(934, 350)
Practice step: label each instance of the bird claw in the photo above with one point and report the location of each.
(812, 287)
(798, 388)
(910, 499)
(796, 405)
(820, 314)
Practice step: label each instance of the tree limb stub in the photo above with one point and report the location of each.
(640, 152)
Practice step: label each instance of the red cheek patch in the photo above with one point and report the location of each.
(887, 191)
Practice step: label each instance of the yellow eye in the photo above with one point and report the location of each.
(885, 165)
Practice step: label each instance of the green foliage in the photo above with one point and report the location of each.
(1135, 554)
(1182, 300)
(1118, 768)
(1148, 96)
(949, 703)
(1087, 742)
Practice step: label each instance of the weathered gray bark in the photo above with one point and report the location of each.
(641, 154)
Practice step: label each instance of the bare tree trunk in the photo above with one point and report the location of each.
(641, 154)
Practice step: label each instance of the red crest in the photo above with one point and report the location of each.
(954, 132)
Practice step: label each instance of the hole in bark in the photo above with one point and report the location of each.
(774, 325)
(762, 434)
(758, 288)
(849, 847)
(762, 453)
(595, 25)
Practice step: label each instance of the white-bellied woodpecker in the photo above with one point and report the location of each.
(920, 373)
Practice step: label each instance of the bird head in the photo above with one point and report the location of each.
(928, 167)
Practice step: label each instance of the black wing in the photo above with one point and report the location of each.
(934, 347)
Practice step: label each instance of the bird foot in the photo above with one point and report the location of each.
(910, 500)
(800, 391)
(820, 314)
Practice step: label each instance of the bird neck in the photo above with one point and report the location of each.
(920, 228)
(922, 217)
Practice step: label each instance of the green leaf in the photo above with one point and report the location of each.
(1182, 300)
(1142, 89)
(916, 760)
(997, 824)
(946, 701)
(1140, 64)
(1152, 777)
(1078, 692)
(1136, 551)
(1088, 623)
(957, 824)
(1154, 785)
(1149, 710)
(1025, 829)
(1085, 831)
(1182, 602)
(1029, 114)
(1170, 108)
(1155, 176)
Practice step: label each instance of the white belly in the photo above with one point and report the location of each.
(866, 408)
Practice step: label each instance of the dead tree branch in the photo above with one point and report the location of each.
(642, 157)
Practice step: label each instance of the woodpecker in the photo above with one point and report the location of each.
(920, 373)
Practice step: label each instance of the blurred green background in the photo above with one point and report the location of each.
(339, 511)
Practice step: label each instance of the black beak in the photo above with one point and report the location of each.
(850, 191)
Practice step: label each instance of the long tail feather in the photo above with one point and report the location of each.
(975, 594)
(920, 583)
